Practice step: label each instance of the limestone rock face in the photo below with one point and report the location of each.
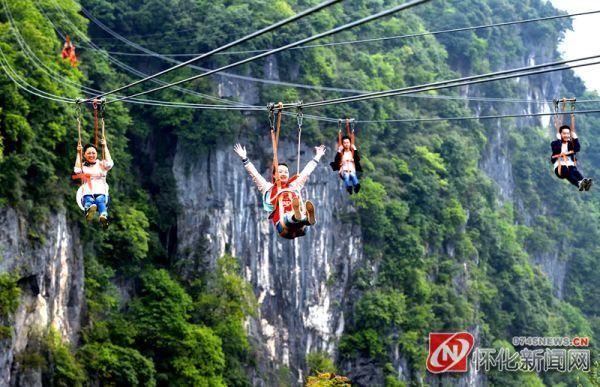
(301, 285)
(51, 277)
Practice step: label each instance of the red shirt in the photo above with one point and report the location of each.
(286, 199)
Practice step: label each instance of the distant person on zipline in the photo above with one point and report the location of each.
(347, 161)
(347, 158)
(93, 176)
(565, 162)
(282, 198)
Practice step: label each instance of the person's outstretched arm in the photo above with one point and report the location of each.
(310, 167)
(261, 183)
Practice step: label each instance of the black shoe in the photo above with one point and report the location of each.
(357, 188)
(588, 184)
(89, 213)
(349, 189)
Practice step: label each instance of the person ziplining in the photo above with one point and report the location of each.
(282, 197)
(68, 51)
(347, 159)
(92, 195)
(566, 147)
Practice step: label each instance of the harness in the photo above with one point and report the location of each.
(277, 201)
(86, 178)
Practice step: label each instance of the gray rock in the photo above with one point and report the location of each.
(51, 278)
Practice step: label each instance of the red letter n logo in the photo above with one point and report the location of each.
(448, 352)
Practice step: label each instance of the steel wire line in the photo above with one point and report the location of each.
(229, 45)
(294, 44)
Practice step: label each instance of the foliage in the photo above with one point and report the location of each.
(115, 365)
(66, 370)
(9, 301)
(327, 380)
(319, 363)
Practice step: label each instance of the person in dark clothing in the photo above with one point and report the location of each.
(347, 161)
(564, 160)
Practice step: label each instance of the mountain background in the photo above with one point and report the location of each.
(460, 225)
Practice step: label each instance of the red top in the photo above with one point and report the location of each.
(286, 199)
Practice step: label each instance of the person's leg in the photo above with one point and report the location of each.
(560, 176)
(355, 182)
(573, 175)
(101, 202)
(347, 182)
(297, 214)
(293, 227)
(89, 206)
(346, 178)
(585, 182)
(290, 220)
(310, 213)
(307, 220)
(88, 200)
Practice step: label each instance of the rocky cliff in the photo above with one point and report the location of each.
(301, 285)
(50, 274)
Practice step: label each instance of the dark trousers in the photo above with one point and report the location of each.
(570, 173)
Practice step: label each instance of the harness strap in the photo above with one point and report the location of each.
(77, 117)
(102, 107)
(299, 117)
(275, 140)
(95, 106)
(84, 177)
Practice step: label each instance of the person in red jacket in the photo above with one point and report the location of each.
(68, 51)
(282, 197)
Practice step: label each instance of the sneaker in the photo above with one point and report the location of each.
(357, 188)
(310, 213)
(104, 220)
(90, 211)
(349, 189)
(588, 184)
(296, 207)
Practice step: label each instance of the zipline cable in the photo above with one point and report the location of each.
(466, 118)
(384, 38)
(16, 78)
(470, 80)
(287, 46)
(228, 45)
(426, 33)
(118, 63)
(314, 87)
